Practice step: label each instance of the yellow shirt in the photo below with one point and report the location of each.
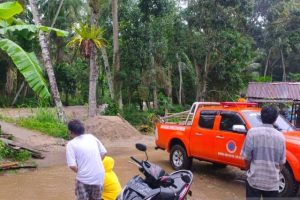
(112, 186)
(242, 100)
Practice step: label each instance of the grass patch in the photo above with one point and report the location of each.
(7, 153)
(45, 121)
(7, 119)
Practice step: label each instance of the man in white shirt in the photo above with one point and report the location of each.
(84, 156)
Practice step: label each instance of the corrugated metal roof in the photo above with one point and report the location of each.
(277, 90)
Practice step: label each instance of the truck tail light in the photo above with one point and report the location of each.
(156, 133)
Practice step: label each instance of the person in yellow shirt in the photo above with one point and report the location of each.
(112, 186)
(242, 98)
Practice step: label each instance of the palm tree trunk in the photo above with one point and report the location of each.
(48, 65)
(198, 80)
(180, 84)
(57, 13)
(283, 66)
(169, 84)
(155, 99)
(108, 73)
(267, 63)
(94, 70)
(10, 81)
(116, 55)
(204, 78)
(180, 80)
(18, 93)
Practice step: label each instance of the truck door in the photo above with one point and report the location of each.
(203, 135)
(228, 142)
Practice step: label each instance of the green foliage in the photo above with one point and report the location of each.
(263, 79)
(34, 29)
(21, 156)
(45, 121)
(7, 119)
(10, 9)
(112, 109)
(85, 33)
(7, 153)
(295, 76)
(28, 65)
(135, 116)
(215, 43)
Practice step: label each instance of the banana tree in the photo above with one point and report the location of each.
(27, 63)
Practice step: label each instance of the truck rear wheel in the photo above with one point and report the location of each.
(179, 158)
(288, 187)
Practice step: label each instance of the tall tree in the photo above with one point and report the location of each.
(116, 55)
(208, 21)
(94, 70)
(48, 64)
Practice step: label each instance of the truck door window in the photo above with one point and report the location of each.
(230, 119)
(207, 119)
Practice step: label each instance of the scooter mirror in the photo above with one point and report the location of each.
(141, 147)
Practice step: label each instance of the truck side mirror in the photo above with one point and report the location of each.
(239, 128)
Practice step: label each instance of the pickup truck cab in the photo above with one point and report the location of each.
(215, 132)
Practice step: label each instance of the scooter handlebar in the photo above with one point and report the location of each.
(135, 160)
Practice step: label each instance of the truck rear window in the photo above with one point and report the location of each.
(207, 119)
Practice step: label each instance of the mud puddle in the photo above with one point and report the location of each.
(55, 183)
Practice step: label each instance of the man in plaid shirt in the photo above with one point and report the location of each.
(264, 153)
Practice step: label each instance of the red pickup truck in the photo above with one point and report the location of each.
(215, 132)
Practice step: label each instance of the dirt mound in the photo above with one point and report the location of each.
(111, 128)
(76, 112)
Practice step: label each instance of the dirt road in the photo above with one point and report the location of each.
(54, 181)
(57, 183)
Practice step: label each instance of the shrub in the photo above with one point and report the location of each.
(7, 153)
(21, 156)
(112, 109)
(135, 116)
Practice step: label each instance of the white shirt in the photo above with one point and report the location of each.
(85, 153)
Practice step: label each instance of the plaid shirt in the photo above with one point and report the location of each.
(264, 148)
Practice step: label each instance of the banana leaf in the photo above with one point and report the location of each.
(10, 9)
(34, 28)
(28, 65)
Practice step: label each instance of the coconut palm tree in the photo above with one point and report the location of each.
(43, 40)
(88, 39)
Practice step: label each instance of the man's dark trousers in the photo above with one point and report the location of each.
(256, 194)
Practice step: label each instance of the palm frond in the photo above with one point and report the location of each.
(86, 32)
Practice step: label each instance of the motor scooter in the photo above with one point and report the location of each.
(156, 183)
